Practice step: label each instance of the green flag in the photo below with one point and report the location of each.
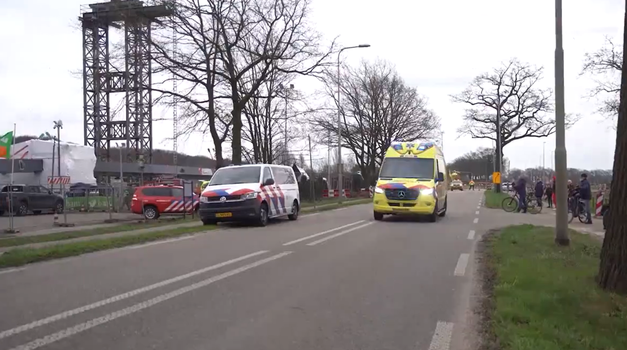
(5, 145)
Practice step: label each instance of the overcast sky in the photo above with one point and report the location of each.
(437, 46)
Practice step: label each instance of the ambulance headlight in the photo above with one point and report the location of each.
(428, 192)
(379, 190)
(249, 195)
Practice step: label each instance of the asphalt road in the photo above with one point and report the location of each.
(332, 280)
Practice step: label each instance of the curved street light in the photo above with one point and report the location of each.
(339, 118)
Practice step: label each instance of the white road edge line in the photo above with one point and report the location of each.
(442, 337)
(68, 332)
(462, 262)
(477, 212)
(321, 233)
(476, 220)
(339, 234)
(479, 207)
(159, 242)
(471, 234)
(66, 314)
(2, 272)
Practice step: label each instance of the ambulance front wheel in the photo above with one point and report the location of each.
(378, 216)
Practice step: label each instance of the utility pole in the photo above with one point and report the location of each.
(285, 150)
(59, 125)
(499, 161)
(311, 180)
(561, 217)
(340, 185)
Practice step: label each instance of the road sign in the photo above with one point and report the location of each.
(496, 177)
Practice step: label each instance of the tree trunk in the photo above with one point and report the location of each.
(236, 144)
(613, 267)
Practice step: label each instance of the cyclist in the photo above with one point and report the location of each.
(585, 196)
(521, 189)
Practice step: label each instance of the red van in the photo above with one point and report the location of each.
(162, 199)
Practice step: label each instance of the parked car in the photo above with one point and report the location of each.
(153, 200)
(457, 185)
(29, 198)
(250, 192)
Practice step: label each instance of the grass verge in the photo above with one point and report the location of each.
(543, 297)
(87, 232)
(324, 206)
(23, 256)
(327, 201)
(493, 200)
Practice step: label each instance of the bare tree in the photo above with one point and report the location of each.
(195, 65)
(377, 108)
(257, 39)
(605, 65)
(525, 108)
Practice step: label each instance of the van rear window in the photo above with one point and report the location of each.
(407, 168)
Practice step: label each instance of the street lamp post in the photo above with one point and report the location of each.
(339, 118)
(561, 217)
(122, 145)
(59, 125)
(286, 93)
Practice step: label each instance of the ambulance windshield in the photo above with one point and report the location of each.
(407, 168)
(236, 175)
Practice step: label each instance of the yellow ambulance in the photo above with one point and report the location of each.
(412, 181)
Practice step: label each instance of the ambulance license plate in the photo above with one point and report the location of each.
(224, 215)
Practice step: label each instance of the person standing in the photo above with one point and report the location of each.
(585, 196)
(549, 195)
(471, 184)
(539, 192)
(553, 192)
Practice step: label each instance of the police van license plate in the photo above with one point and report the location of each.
(224, 215)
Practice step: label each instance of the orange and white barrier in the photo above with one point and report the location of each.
(598, 209)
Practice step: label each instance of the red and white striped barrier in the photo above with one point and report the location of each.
(335, 193)
(57, 180)
(598, 209)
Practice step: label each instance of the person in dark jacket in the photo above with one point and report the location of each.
(585, 195)
(521, 190)
(539, 192)
(549, 195)
(554, 185)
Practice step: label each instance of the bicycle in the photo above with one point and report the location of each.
(576, 208)
(510, 204)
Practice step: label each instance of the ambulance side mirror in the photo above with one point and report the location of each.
(440, 177)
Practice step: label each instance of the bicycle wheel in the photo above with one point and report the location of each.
(571, 214)
(532, 205)
(509, 204)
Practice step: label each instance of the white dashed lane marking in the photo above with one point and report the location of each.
(79, 328)
(442, 337)
(471, 234)
(462, 262)
(476, 220)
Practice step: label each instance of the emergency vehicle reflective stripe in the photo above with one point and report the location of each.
(270, 198)
(177, 206)
(281, 201)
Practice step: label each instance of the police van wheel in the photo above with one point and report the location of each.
(262, 220)
(294, 214)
